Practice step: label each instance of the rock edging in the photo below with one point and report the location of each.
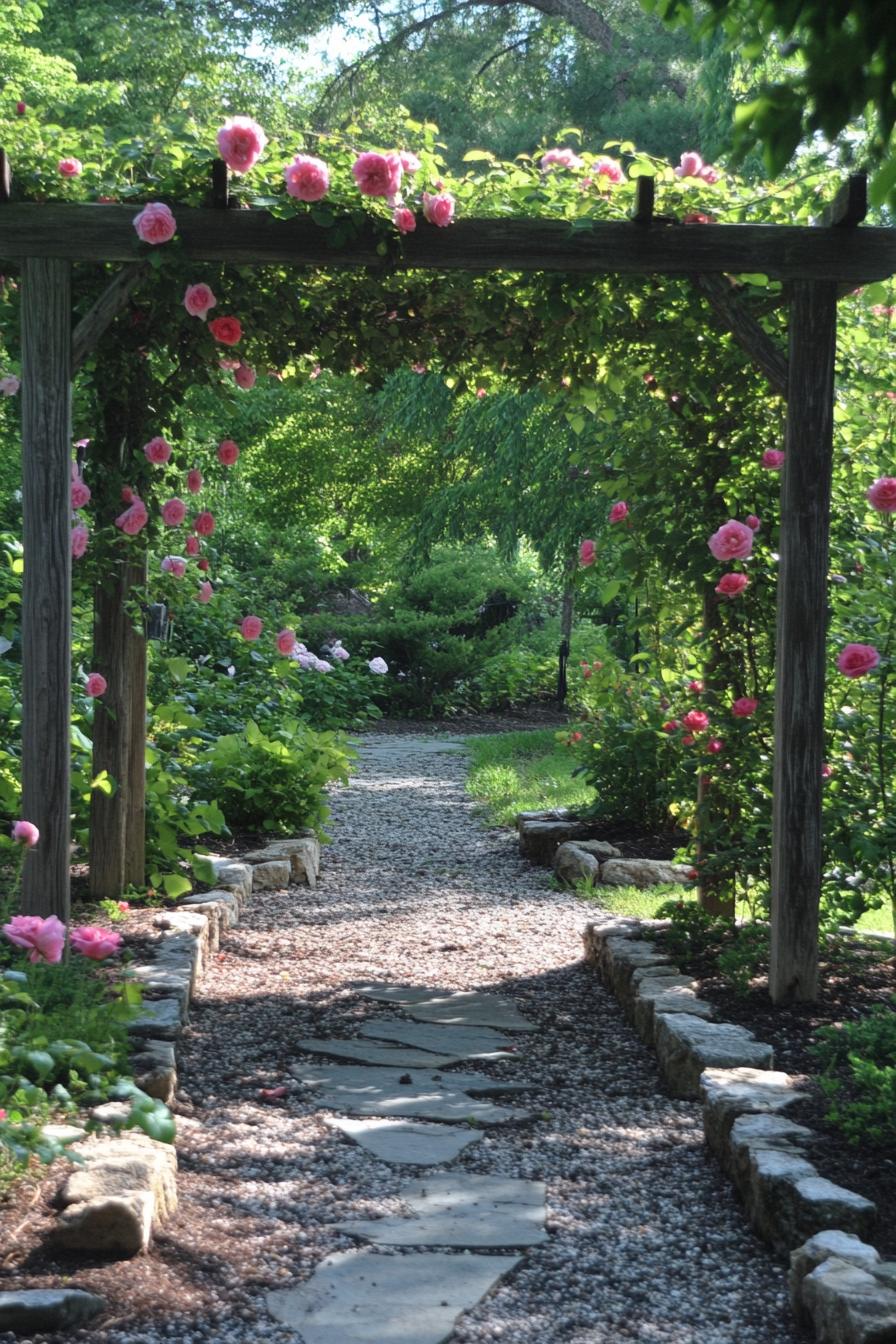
(838, 1283)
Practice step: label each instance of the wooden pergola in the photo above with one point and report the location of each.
(818, 265)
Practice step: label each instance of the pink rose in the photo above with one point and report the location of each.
(96, 684)
(773, 459)
(228, 365)
(227, 330)
(251, 627)
(227, 452)
(174, 511)
(670, 725)
(192, 545)
(404, 219)
(71, 167)
(377, 174)
(559, 158)
(204, 523)
(198, 300)
(194, 480)
(691, 164)
(157, 451)
(26, 833)
(587, 553)
(696, 687)
(80, 491)
(732, 585)
(205, 592)
(155, 223)
(240, 143)
(709, 174)
(418, 368)
(608, 169)
(714, 745)
(21, 108)
(733, 541)
(827, 771)
(695, 721)
(43, 938)
(9, 385)
(409, 162)
(134, 518)
(244, 376)
(752, 522)
(882, 494)
(855, 660)
(202, 564)
(687, 740)
(438, 210)
(286, 641)
(95, 943)
(80, 538)
(744, 707)
(175, 565)
(307, 178)
(619, 511)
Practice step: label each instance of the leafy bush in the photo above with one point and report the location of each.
(858, 1060)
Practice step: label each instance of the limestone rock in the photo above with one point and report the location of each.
(158, 1017)
(549, 814)
(686, 1045)
(574, 864)
(302, 853)
(229, 873)
(847, 1305)
(621, 957)
(273, 875)
(752, 1132)
(539, 838)
(728, 1093)
(155, 1069)
(819, 1248)
(124, 1188)
(32, 1311)
(664, 996)
(119, 1225)
(642, 872)
(190, 922)
(601, 849)
(222, 909)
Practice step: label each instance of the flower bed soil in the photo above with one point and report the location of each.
(854, 978)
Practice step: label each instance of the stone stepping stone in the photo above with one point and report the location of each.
(467, 1008)
(464, 1042)
(404, 1141)
(461, 1210)
(357, 1077)
(378, 1092)
(360, 1297)
(384, 1056)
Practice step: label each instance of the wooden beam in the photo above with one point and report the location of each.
(765, 352)
(5, 178)
(107, 307)
(253, 237)
(801, 644)
(47, 596)
(220, 196)
(850, 205)
(645, 195)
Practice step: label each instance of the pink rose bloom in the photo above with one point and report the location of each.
(155, 223)
(559, 158)
(202, 564)
(240, 143)
(695, 720)
(26, 833)
(587, 553)
(9, 385)
(205, 592)
(198, 300)
(687, 740)
(175, 565)
(773, 459)
(438, 210)
(157, 451)
(80, 491)
(96, 684)
(307, 178)
(250, 627)
(379, 666)
(174, 511)
(696, 687)
(404, 219)
(709, 174)
(855, 660)
(194, 480)
(134, 518)
(71, 167)
(227, 452)
(744, 707)
(714, 745)
(286, 641)
(21, 109)
(827, 771)
(670, 725)
(733, 541)
(80, 537)
(227, 330)
(882, 494)
(409, 162)
(732, 585)
(95, 943)
(587, 672)
(127, 494)
(44, 939)
(418, 368)
(204, 523)
(377, 174)
(752, 522)
(228, 365)
(244, 377)
(192, 545)
(619, 511)
(608, 169)
(691, 165)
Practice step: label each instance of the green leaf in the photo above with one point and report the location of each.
(176, 884)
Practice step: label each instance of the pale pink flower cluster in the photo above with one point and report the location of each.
(9, 385)
(96, 684)
(44, 939)
(377, 174)
(438, 209)
(692, 165)
(733, 541)
(80, 490)
(198, 299)
(155, 223)
(619, 511)
(379, 666)
(241, 142)
(856, 660)
(251, 627)
(307, 178)
(560, 158)
(882, 494)
(175, 565)
(70, 167)
(134, 518)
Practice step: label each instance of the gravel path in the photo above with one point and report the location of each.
(647, 1242)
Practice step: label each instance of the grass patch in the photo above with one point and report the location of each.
(522, 772)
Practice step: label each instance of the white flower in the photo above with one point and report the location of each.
(378, 665)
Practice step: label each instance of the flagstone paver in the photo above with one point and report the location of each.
(407, 1142)
(360, 1092)
(463, 1210)
(458, 1008)
(376, 1053)
(465, 1042)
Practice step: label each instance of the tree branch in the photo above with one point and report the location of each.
(107, 307)
(766, 352)
(512, 46)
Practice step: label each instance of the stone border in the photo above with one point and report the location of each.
(559, 839)
(838, 1283)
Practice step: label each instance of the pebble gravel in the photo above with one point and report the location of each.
(647, 1241)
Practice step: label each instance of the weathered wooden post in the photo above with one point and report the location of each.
(47, 596)
(801, 647)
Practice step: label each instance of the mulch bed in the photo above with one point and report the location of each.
(855, 976)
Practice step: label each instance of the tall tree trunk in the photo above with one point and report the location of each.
(567, 612)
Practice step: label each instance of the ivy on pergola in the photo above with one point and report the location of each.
(817, 265)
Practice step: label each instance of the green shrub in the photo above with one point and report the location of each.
(858, 1060)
